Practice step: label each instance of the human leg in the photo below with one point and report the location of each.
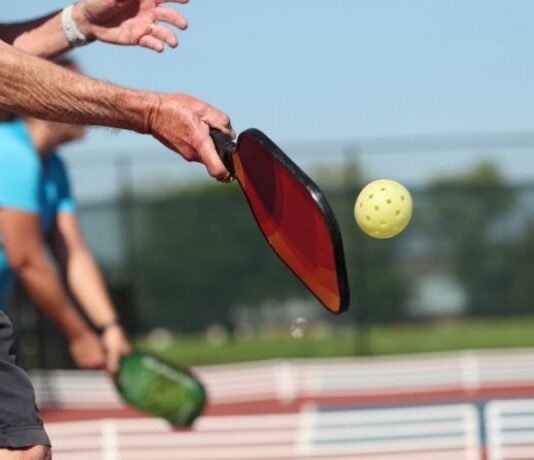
(21, 427)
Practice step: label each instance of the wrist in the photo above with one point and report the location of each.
(142, 108)
(81, 22)
(111, 324)
(74, 327)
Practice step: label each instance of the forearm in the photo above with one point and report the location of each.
(44, 90)
(45, 288)
(41, 37)
(86, 283)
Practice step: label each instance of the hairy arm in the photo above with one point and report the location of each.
(26, 255)
(41, 37)
(33, 86)
(87, 285)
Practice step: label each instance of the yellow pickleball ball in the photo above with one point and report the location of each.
(383, 208)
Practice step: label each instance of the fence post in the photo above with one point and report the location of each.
(352, 181)
(285, 382)
(110, 444)
(470, 372)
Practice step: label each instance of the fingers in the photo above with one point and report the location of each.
(158, 34)
(214, 118)
(88, 353)
(91, 362)
(171, 17)
(116, 346)
(164, 35)
(183, 2)
(152, 43)
(219, 120)
(209, 156)
(112, 361)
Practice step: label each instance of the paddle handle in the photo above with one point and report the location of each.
(225, 148)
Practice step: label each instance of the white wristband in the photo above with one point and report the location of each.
(72, 33)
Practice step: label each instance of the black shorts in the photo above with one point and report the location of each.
(20, 423)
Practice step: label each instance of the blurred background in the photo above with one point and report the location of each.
(435, 94)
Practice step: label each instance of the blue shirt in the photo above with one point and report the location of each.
(29, 184)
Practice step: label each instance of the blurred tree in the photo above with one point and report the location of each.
(378, 288)
(519, 256)
(465, 214)
(199, 255)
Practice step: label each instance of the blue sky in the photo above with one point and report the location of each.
(336, 70)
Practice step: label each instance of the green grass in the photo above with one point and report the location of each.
(400, 339)
(451, 336)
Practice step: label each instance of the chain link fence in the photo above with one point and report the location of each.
(188, 257)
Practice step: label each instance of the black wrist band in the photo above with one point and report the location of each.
(105, 327)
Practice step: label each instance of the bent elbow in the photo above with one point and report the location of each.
(21, 264)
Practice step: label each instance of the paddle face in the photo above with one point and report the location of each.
(292, 214)
(161, 389)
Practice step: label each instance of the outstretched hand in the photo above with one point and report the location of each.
(130, 22)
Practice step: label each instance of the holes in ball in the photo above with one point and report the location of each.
(371, 196)
(377, 208)
(383, 189)
(388, 201)
(368, 218)
(397, 213)
(403, 198)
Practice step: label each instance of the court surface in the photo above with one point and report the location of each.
(446, 406)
